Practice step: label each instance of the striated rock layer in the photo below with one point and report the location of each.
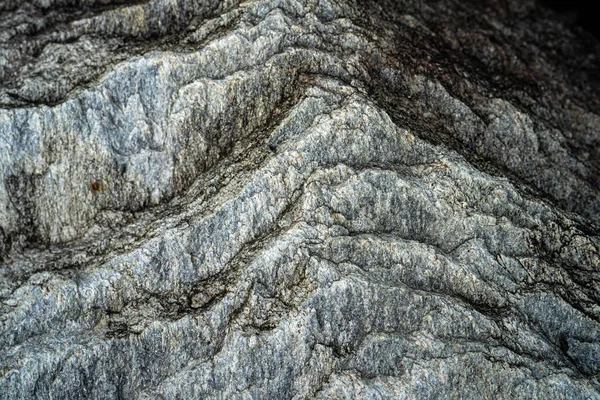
(298, 199)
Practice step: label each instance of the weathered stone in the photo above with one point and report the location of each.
(298, 199)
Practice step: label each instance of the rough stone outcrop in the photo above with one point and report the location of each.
(298, 199)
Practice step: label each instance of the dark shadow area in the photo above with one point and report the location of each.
(582, 13)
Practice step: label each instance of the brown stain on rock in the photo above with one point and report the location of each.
(97, 187)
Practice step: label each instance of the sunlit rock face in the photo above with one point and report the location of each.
(280, 199)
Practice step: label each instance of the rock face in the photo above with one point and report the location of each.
(298, 199)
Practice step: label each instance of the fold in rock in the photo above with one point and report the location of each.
(298, 199)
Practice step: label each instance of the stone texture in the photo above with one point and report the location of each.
(298, 199)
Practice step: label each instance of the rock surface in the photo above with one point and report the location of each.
(298, 199)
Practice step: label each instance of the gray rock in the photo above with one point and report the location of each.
(298, 199)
